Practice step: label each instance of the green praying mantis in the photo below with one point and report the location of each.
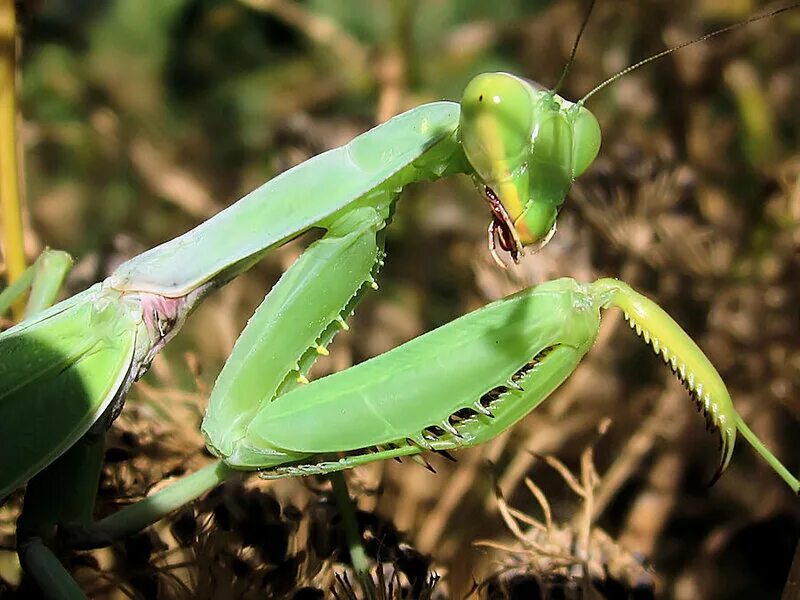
(65, 370)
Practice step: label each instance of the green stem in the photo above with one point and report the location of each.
(358, 558)
(44, 278)
(51, 268)
(14, 292)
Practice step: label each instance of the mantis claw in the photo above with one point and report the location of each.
(448, 427)
(421, 461)
(692, 368)
(446, 455)
(511, 384)
(723, 445)
(478, 406)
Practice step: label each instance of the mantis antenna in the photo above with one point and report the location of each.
(574, 48)
(663, 53)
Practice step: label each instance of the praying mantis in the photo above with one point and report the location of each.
(65, 370)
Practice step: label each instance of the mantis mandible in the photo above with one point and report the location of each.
(522, 145)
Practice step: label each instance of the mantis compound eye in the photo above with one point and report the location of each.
(496, 130)
(586, 140)
(496, 125)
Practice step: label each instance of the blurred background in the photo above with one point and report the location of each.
(142, 118)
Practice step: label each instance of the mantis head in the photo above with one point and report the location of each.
(526, 146)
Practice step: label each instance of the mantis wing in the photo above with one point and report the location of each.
(60, 373)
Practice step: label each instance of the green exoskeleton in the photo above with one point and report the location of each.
(64, 371)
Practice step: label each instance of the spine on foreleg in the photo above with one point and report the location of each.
(408, 392)
(297, 317)
(692, 368)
